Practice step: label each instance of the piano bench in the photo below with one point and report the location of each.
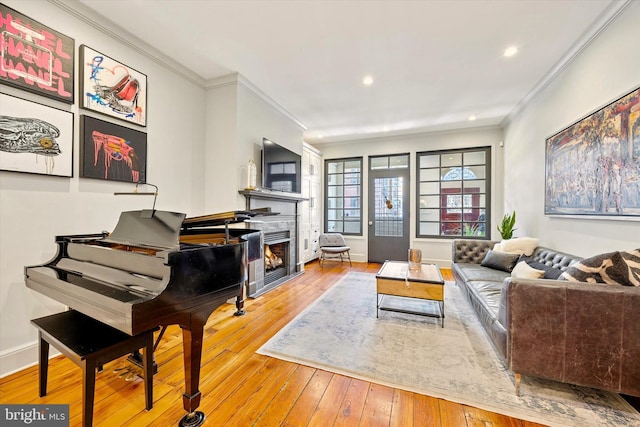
(90, 344)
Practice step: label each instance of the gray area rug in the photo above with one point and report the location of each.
(340, 333)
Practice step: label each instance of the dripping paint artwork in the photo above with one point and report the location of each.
(112, 88)
(112, 152)
(35, 138)
(34, 57)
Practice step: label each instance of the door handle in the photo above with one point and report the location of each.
(370, 222)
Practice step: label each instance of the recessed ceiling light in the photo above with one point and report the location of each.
(472, 118)
(367, 81)
(510, 51)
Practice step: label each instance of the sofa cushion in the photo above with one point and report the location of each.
(612, 268)
(500, 260)
(524, 270)
(471, 271)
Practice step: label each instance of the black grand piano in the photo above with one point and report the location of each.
(155, 269)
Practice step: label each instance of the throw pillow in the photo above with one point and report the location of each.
(613, 268)
(524, 270)
(549, 272)
(500, 260)
(519, 245)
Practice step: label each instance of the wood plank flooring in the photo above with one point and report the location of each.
(242, 388)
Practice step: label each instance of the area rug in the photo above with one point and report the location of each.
(340, 333)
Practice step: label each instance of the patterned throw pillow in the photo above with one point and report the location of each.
(613, 268)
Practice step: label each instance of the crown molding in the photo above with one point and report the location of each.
(237, 78)
(601, 23)
(121, 35)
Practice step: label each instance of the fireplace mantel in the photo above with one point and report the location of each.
(271, 195)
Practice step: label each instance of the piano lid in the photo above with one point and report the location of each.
(223, 218)
(154, 228)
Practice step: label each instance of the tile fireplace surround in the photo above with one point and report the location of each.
(287, 221)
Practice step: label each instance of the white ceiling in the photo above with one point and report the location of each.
(435, 63)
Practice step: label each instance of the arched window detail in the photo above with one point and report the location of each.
(459, 173)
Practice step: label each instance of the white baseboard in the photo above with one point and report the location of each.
(18, 358)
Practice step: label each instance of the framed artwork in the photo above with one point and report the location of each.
(112, 152)
(35, 138)
(593, 166)
(112, 88)
(35, 57)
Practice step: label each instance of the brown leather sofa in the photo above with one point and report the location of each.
(580, 333)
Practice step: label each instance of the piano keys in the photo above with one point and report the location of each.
(156, 268)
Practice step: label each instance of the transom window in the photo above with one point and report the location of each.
(453, 193)
(343, 200)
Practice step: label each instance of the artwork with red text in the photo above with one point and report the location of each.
(112, 152)
(593, 166)
(35, 57)
(112, 88)
(35, 138)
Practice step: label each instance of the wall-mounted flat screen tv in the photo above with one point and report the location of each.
(281, 168)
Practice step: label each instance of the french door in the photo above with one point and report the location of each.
(388, 209)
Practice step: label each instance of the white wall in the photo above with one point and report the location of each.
(433, 250)
(607, 69)
(36, 208)
(239, 115)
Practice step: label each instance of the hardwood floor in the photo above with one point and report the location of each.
(242, 388)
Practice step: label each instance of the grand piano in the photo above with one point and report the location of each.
(156, 268)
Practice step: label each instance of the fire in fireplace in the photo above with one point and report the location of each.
(271, 260)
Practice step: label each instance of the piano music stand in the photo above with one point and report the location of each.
(90, 344)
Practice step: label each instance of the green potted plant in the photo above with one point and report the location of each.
(506, 227)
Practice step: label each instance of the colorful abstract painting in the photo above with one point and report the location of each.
(593, 166)
(35, 138)
(35, 57)
(112, 152)
(112, 88)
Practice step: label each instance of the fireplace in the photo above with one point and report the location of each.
(280, 237)
(276, 256)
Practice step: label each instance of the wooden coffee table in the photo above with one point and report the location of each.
(395, 278)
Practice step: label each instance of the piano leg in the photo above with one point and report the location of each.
(240, 311)
(192, 352)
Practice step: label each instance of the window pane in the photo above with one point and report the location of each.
(352, 227)
(429, 188)
(430, 228)
(352, 166)
(397, 162)
(334, 167)
(334, 191)
(478, 186)
(452, 159)
(336, 179)
(430, 175)
(334, 226)
(352, 202)
(429, 161)
(430, 201)
(334, 214)
(352, 178)
(334, 202)
(447, 185)
(351, 190)
(478, 171)
(429, 214)
(474, 158)
(379, 163)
